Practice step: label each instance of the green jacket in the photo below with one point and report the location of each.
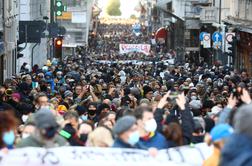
(31, 141)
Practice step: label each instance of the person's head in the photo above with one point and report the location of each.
(8, 125)
(28, 79)
(72, 118)
(145, 120)
(46, 124)
(78, 89)
(86, 127)
(112, 117)
(242, 120)
(148, 92)
(68, 95)
(218, 135)
(92, 109)
(100, 137)
(126, 130)
(41, 100)
(16, 97)
(173, 132)
(28, 130)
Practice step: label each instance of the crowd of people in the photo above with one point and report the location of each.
(81, 102)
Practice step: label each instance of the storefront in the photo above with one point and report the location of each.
(244, 52)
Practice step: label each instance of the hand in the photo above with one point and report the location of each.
(232, 101)
(245, 97)
(85, 89)
(181, 101)
(111, 90)
(121, 92)
(91, 89)
(153, 152)
(163, 100)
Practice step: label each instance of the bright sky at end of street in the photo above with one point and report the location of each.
(127, 7)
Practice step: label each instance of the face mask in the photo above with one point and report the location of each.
(59, 77)
(134, 138)
(25, 135)
(24, 118)
(150, 125)
(50, 133)
(84, 117)
(92, 112)
(45, 107)
(193, 98)
(83, 137)
(9, 137)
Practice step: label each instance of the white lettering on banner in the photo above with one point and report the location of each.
(126, 48)
(79, 156)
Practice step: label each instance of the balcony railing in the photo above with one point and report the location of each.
(209, 15)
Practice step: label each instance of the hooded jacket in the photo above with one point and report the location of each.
(237, 151)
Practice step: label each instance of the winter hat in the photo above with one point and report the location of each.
(68, 93)
(62, 109)
(44, 118)
(135, 91)
(144, 101)
(81, 109)
(124, 124)
(221, 131)
(195, 104)
(147, 89)
(16, 95)
(215, 110)
(242, 120)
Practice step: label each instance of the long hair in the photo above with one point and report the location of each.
(173, 132)
(7, 122)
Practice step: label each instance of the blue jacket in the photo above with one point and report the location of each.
(237, 151)
(157, 141)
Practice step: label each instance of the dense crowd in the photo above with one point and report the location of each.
(81, 102)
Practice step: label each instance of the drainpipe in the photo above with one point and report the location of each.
(32, 54)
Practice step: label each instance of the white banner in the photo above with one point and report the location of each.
(126, 48)
(79, 156)
(166, 62)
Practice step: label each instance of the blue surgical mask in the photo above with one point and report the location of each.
(134, 138)
(9, 138)
(84, 117)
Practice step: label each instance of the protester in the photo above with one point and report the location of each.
(8, 124)
(238, 148)
(147, 126)
(45, 134)
(100, 137)
(218, 135)
(146, 100)
(127, 134)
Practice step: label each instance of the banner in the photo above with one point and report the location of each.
(126, 48)
(166, 62)
(79, 156)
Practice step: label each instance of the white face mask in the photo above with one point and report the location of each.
(193, 98)
(45, 107)
(25, 135)
(150, 125)
(25, 118)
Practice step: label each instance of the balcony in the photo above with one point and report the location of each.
(209, 15)
(201, 2)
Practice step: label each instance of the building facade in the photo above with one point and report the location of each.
(8, 38)
(77, 19)
(240, 22)
(34, 10)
